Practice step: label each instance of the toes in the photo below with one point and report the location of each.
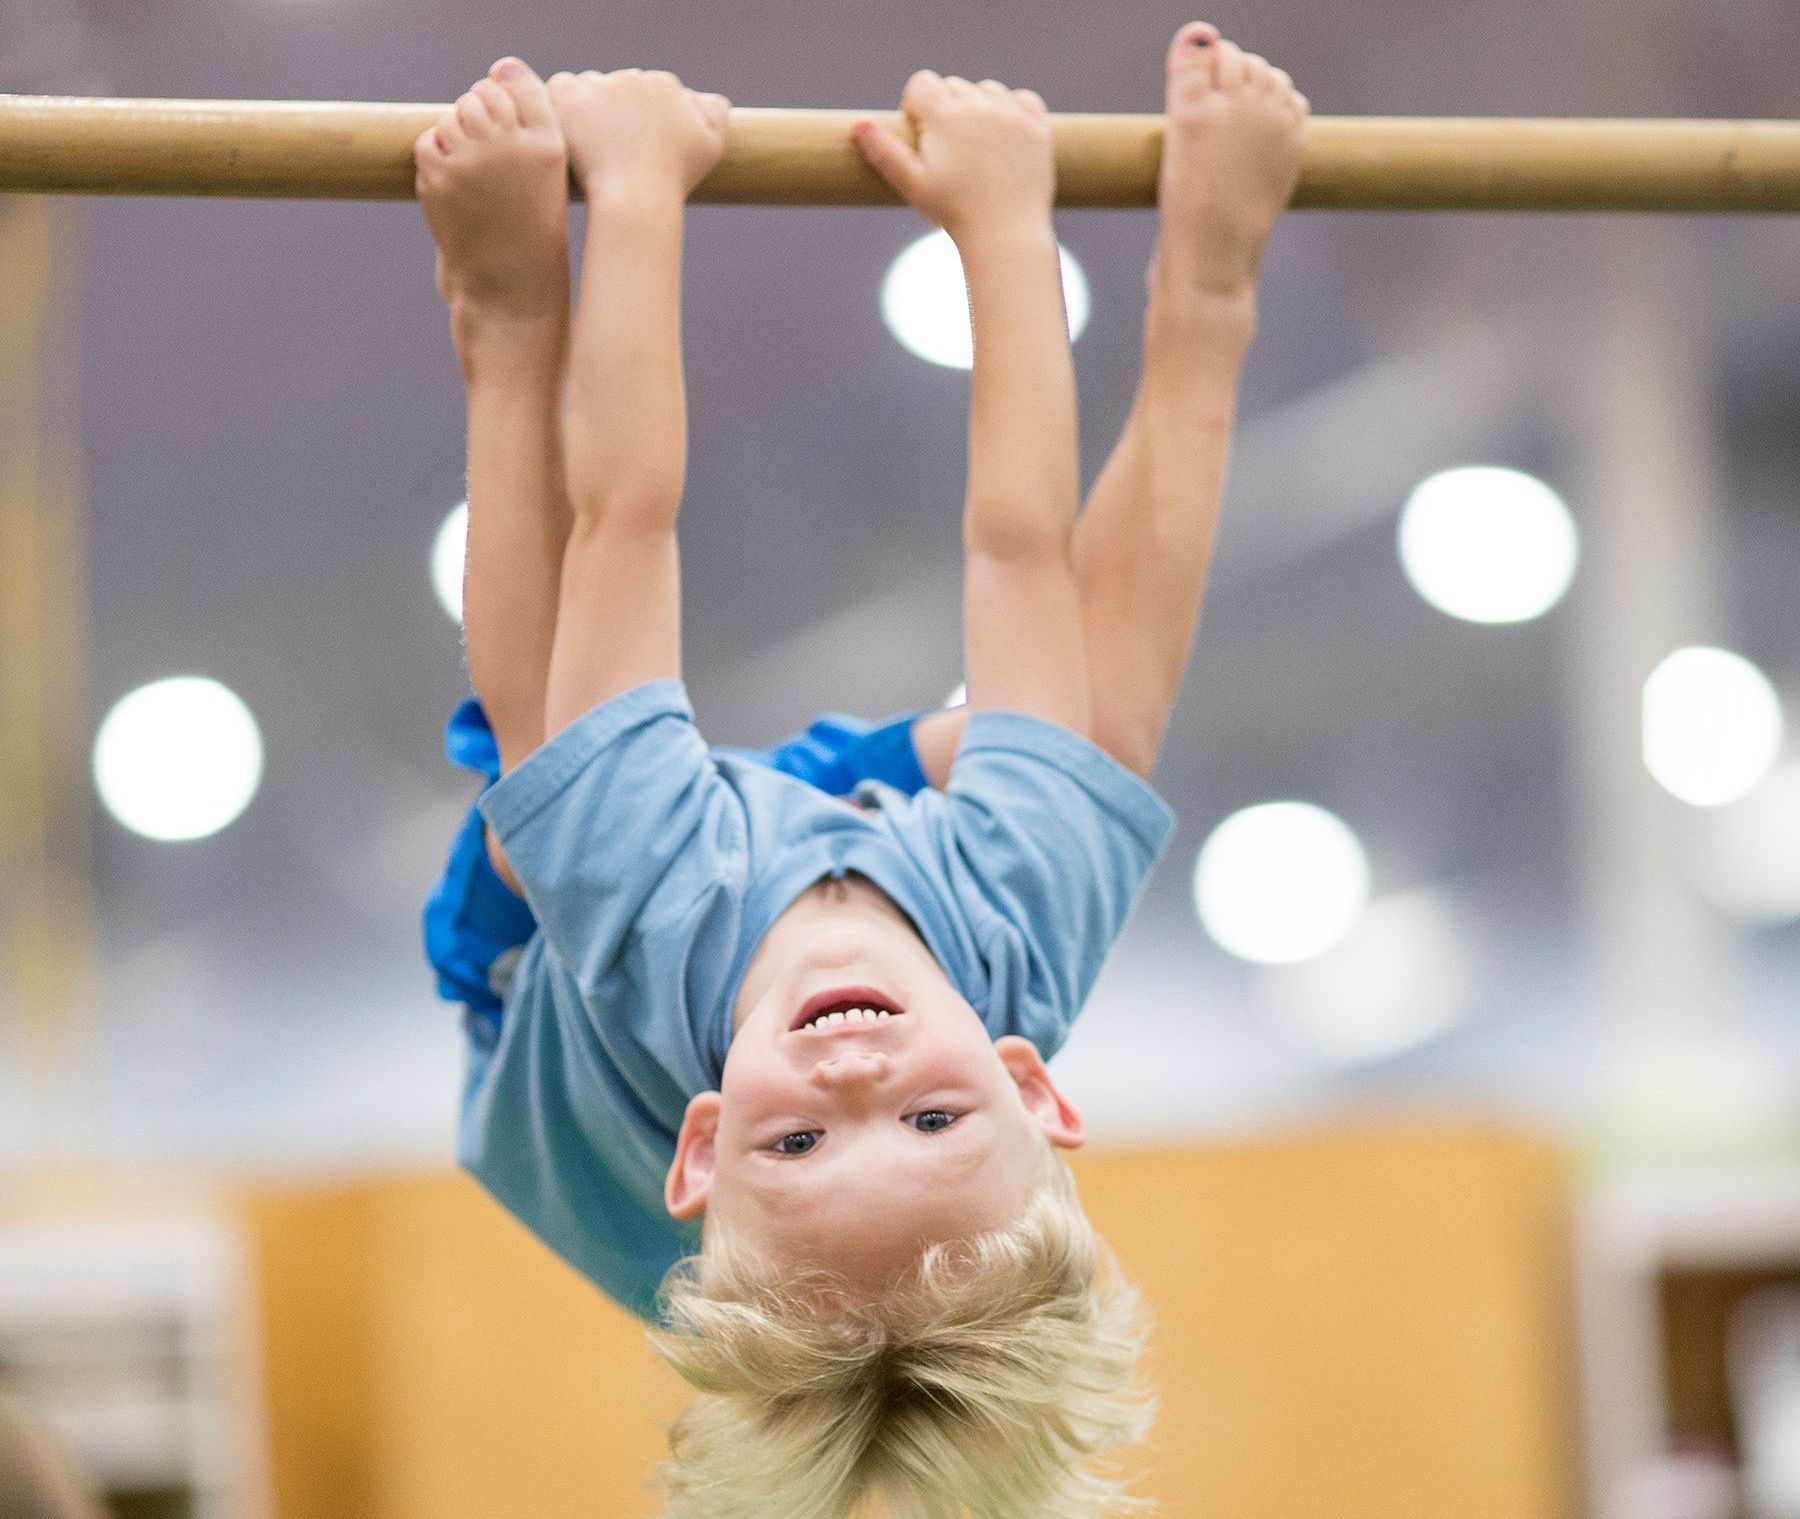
(1230, 65)
(1259, 72)
(471, 115)
(446, 132)
(428, 145)
(529, 94)
(498, 102)
(1031, 100)
(1192, 44)
(1194, 56)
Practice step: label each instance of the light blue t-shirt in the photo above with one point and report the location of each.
(655, 865)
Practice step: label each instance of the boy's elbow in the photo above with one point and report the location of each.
(650, 501)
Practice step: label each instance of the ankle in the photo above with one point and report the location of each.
(490, 335)
(1183, 299)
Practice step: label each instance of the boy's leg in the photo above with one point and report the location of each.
(493, 181)
(1231, 155)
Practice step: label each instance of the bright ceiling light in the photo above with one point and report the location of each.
(959, 695)
(1280, 882)
(1488, 544)
(1712, 725)
(1403, 975)
(1750, 862)
(178, 759)
(925, 301)
(448, 552)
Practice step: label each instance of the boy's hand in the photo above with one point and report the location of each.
(985, 153)
(636, 126)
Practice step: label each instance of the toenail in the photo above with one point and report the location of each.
(1201, 41)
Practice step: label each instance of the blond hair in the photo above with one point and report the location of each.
(983, 1383)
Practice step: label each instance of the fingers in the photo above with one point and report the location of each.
(923, 91)
(926, 91)
(714, 107)
(890, 157)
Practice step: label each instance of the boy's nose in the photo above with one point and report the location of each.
(854, 1068)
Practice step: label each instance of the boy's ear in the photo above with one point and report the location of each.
(689, 1182)
(1054, 1113)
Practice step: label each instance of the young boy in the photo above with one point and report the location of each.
(807, 996)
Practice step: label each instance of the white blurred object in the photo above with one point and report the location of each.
(1694, 1096)
(1683, 1484)
(1764, 1366)
(1281, 881)
(449, 553)
(1712, 725)
(958, 696)
(1488, 544)
(178, 759)
(1750, 858)
(925, 301)
(1405, 974)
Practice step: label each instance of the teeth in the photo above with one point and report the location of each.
(850, 1015)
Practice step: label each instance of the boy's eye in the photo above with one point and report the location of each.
(805, 1141)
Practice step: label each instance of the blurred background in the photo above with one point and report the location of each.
(1444, 1091)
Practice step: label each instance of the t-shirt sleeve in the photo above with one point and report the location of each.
(1059, 837)
(621, 816)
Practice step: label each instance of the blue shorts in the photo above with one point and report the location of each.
(475, 923)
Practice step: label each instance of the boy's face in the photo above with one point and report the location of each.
(852, 1145)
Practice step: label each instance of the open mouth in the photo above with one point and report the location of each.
(846, 1006)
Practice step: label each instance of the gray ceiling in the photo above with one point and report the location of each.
(272, 432)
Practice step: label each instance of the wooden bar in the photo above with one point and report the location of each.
(343, 151)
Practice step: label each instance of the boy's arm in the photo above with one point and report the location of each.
(625, 444)
(1021, 615)
(639, 141)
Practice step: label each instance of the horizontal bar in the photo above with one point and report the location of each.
(344, 151)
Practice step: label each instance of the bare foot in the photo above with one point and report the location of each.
(493, 177)
(1232, 147)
